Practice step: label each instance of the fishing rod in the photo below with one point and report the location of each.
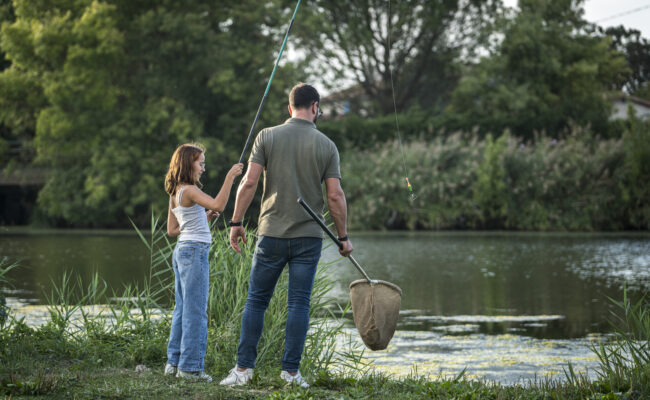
(412, 195)
(268, 86)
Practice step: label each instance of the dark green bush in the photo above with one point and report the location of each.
(355, 132)
(635, 184)
(581, 182)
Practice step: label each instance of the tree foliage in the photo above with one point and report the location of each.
(418, 41)
(635, 181)
(110, 88)
(550, 70)
(637, 52)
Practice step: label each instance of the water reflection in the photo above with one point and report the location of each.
(118, 256)
(505, 274)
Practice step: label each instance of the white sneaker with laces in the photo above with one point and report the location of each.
(194, 375)
(296, 379)
(237, 378)
(170, 369)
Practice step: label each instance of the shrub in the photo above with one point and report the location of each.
(463, 181)
(636, 173)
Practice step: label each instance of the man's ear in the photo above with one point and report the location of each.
(289, 108)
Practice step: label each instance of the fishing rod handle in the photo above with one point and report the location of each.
(332, 236)
(320, 222)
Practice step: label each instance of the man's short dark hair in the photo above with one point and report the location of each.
(302, 96)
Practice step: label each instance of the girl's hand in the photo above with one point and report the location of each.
(212, 214)
(236, 170)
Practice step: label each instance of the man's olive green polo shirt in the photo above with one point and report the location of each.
(297, 158)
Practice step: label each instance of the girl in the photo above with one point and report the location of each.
(187, 217)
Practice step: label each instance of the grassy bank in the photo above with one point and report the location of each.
(120, 352)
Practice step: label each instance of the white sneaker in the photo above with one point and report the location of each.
(170, 369)
(237, 378)
(296, 379)
(194, 375)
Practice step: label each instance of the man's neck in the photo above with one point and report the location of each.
(302, 115)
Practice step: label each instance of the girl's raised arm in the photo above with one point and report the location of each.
(218, 203)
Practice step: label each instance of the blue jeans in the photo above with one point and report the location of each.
(189, 332)
(271, 255)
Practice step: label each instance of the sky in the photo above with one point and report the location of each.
(597, 10)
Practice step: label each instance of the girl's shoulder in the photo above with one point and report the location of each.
(187, 192)
(189, 189)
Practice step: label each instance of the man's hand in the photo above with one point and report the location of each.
(237, 232)
(347, 248)
(212, 214)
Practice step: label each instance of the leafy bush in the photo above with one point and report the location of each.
(634, 185)
(581, 182)
(355, 132)
(490, 188)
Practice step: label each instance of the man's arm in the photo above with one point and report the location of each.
(245, 193)
(339, 212)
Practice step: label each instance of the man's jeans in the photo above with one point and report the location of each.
(271, 255)
(189, 332)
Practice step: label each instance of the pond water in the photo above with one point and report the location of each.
(509, 307)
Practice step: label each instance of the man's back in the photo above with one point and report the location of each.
(296, 158)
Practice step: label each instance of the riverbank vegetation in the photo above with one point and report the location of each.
(118, 350)
(468, 181)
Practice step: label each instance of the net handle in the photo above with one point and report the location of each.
(332, 236)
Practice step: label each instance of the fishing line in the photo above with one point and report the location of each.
(268, 86)
(412, 195)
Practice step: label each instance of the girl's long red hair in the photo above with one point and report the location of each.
(180, 167)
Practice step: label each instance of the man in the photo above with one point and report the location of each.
(296, 159)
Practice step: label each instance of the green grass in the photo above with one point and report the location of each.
(81, 355)
(625, 362)
(5, 267)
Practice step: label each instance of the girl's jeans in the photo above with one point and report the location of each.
(271, 255)
(189, 331)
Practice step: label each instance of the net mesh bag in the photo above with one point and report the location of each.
(375, 309)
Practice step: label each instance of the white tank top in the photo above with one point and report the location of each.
(192, 220)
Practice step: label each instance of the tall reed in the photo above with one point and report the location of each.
(625, 362)
(5, 267)
(228, 289)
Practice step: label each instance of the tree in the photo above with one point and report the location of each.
(637, 53)
(111, 88)
(549, 71)
(6, 15)
(417, 41)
